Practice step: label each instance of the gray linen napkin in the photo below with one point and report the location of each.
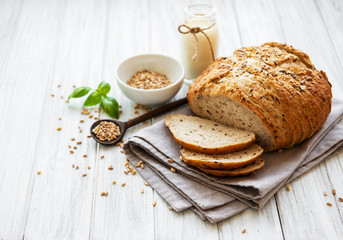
(216, 199)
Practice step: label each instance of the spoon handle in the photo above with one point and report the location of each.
(156, 112)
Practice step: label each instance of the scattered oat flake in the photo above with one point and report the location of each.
(325, 194)
(114, 182)
(84, 155)
(39, 172)
(59, 118)
(71, 152)
(61, 97)
(171, 161)
(81, 121)
(110, 167)
(90, 116)
(102, 156)
(73, 165)
(106, 193)
(173, 170)
(79, 142)
(75, 147)
(126, 172)
(89, 167)
(135, 112)
(102, 194)
(170, 208)
(69, 146)
(244, 231)
(74, 86)
(146, 184)
(73, 139)
(120, 145)
(84, 175)
(67, 101)
(59, 85)
(334, 191)
(123, 184)
(77, 167)
(59, 129)
(134, 172)
(142, 191)
(340, 199)
(96, 118)
(329, 204)
(89, 136)
(154, 203)
(121, 151)
(80, 131)
(120, 106)
(181, 157)
(85, 112)
(288, 188)
(52, 95)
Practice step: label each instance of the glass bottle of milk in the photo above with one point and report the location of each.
(196, 53)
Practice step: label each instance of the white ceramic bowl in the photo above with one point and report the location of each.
(151, 62)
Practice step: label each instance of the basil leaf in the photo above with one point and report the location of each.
(79, 92)
(104, 88)
(110, 106)
(93, 99)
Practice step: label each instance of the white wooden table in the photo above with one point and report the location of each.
(44, 43)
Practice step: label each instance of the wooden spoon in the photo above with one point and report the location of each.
(123, 126)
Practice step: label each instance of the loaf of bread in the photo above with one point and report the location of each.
(271, 90)
(206, 136)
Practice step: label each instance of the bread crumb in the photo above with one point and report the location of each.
(123, 184)
(329, 204)
(171, 161)
(89, 167)
(84, 175)
(102, 156)
(84, 155)
(288, 188)
(142, 191)
(154, 203)
(39, 172)
(244, 231)
(110, 167)
(173, 170)
(146, 184)
(334, 192)
(340, 199)
(325, 194)
(59, 129)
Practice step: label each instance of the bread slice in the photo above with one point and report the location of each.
(249, 169)
(206, 136)
(223, 161)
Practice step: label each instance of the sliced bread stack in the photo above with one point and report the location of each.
(215, 148)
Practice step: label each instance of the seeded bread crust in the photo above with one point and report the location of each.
(206, 136)
(275, 83)
(247, 170)
(223, 161)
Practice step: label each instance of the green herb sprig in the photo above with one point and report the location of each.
(98, 96)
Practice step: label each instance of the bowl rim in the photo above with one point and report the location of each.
(182, 76)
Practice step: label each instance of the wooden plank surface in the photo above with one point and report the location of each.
(44, 44)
